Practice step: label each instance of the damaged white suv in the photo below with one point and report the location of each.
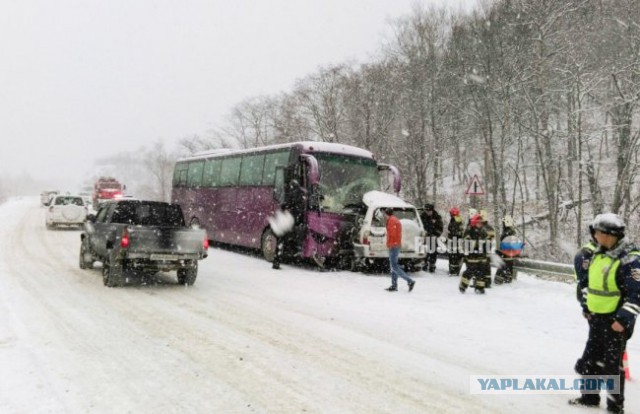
(370, 244)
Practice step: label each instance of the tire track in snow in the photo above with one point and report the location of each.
(267, 354)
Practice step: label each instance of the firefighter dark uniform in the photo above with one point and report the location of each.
(476, 239)
(433, 226)
(455, 233)
(612, 305)
(491, 235)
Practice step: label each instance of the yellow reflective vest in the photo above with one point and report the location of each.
(603, 294)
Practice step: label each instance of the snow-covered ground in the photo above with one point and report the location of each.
(246, 338)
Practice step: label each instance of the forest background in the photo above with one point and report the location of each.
(537, 97)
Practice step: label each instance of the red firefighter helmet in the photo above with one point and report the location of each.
(476, 220)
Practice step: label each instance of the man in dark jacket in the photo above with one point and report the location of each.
(290, 236)
(455, 233)
(612, 306)
(433, 226)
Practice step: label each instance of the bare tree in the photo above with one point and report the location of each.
(419, 49)
(194, 143)
(321, 96)
(159, 163)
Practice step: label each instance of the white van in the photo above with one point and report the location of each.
(370, 244)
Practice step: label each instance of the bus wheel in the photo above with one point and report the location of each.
(269, 245)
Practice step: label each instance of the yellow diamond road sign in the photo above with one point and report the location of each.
(475, 187)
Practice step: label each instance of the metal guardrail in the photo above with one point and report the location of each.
(550, 270)
(557, 270)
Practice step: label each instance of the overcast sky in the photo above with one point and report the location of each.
(81, 79)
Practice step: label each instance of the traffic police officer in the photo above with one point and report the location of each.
(612, 305)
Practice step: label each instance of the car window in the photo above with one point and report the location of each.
(65, 201)
(159, 215)
(124, 213)
(378, 219)
(148, 214)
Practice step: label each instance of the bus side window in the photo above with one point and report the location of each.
(194, 174)
(211, 175)
(278, 189)
(271, 162)
(179, 175)
(251, 171)
(230, 171)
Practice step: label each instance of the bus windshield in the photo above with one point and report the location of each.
(345, 179)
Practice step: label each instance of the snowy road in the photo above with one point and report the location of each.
(247, 339)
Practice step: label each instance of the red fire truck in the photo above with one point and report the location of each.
(106, 188)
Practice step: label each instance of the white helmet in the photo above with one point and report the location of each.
(609, 223)
(508, 221)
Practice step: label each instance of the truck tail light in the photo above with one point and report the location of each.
(365, 237)
(205, 243)
(124, 240)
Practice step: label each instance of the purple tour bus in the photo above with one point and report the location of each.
(232, 193)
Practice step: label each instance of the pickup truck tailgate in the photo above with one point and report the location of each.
(170, 241)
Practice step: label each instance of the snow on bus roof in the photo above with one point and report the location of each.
(306, 146)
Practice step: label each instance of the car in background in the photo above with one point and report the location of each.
(68, 210)
(47, 195)
(106, 188)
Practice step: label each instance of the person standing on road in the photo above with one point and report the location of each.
(476, 243)
(288, 223)
(394, 242)
(433, 226)
(455, 233)
(491, 236)
(509, 249)
(612, 306)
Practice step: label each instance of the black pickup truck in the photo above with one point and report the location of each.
(134, 237)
